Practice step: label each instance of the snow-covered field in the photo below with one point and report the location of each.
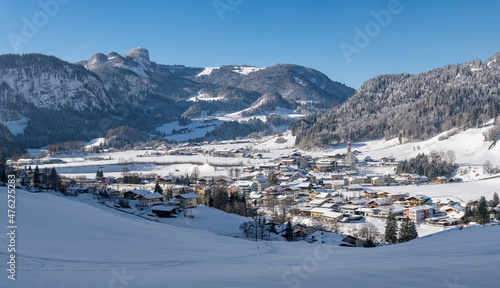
(177, 165)
(469, 147)
(16, 127)
(66, 243)
(460, 192)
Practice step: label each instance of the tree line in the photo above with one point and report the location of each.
(480, 213)
(433, 165)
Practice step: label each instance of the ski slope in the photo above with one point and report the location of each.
(65, 243)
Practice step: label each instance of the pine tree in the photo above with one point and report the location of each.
(54, 179)
(391, 229)
(495, 201)
(482, 216)
(408, 230)
(272, 229)
(158, 188)
(36, 177)
(288, 231)
(467, 214)
(272, 179)
(210, 200)
(3, 177)
(3, 160)
(97, 175)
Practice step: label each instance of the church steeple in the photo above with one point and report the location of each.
(350, 159)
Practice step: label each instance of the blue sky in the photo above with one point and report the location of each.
(420, 35)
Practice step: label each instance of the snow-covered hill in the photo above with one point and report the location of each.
(469, 147)
(412, 107)
(65, 243)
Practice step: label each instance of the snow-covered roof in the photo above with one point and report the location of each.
(163, 208)
(456, 215)
(320, 210)
(334, 182)
(351, 207)
(317, 201)
(419, 208)
(243, 183)
(354, 186)
(445, 199)
(395, 209)
(323, 195)
(256, 195)
(146, 194)
(304, 185)
(328, 205)
(332, 215)
(396, 193)
(284, 196)
(188, 195)
(174, 201)
(382, 201)
(337, 199)
(360, 201)
(153, 195)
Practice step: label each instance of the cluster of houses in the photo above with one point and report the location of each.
(142, 199)
(302, 232)
(334, 206)
(316, 189)
(196, 150)
(328, 188)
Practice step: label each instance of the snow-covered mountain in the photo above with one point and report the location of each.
(48, 82)
(296, 83)
(411, 107)
(106, 91)
(134, 74)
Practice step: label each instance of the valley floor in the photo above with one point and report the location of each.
(67, 243)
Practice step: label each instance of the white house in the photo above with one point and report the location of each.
(419, 213)
(188, 200)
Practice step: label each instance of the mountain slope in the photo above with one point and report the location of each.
(82, 101)
(295, 83)
(48, 82)
(411, 107)
(8, 142)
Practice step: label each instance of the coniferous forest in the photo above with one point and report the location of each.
(410, 107)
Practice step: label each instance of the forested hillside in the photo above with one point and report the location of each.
(411, 107)
(80, 101)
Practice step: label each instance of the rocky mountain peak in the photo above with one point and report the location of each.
(138, 53)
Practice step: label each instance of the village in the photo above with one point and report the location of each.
(315, 193)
